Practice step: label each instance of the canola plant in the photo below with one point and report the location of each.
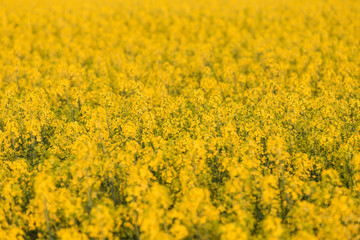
(179, 119)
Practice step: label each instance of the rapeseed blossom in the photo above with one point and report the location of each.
(179, 119)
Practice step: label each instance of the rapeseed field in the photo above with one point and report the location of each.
(179, 119)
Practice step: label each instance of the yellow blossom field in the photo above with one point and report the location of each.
(179, 119)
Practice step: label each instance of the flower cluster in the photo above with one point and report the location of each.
(179, 119)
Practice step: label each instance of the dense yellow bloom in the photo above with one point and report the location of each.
(179, 119)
